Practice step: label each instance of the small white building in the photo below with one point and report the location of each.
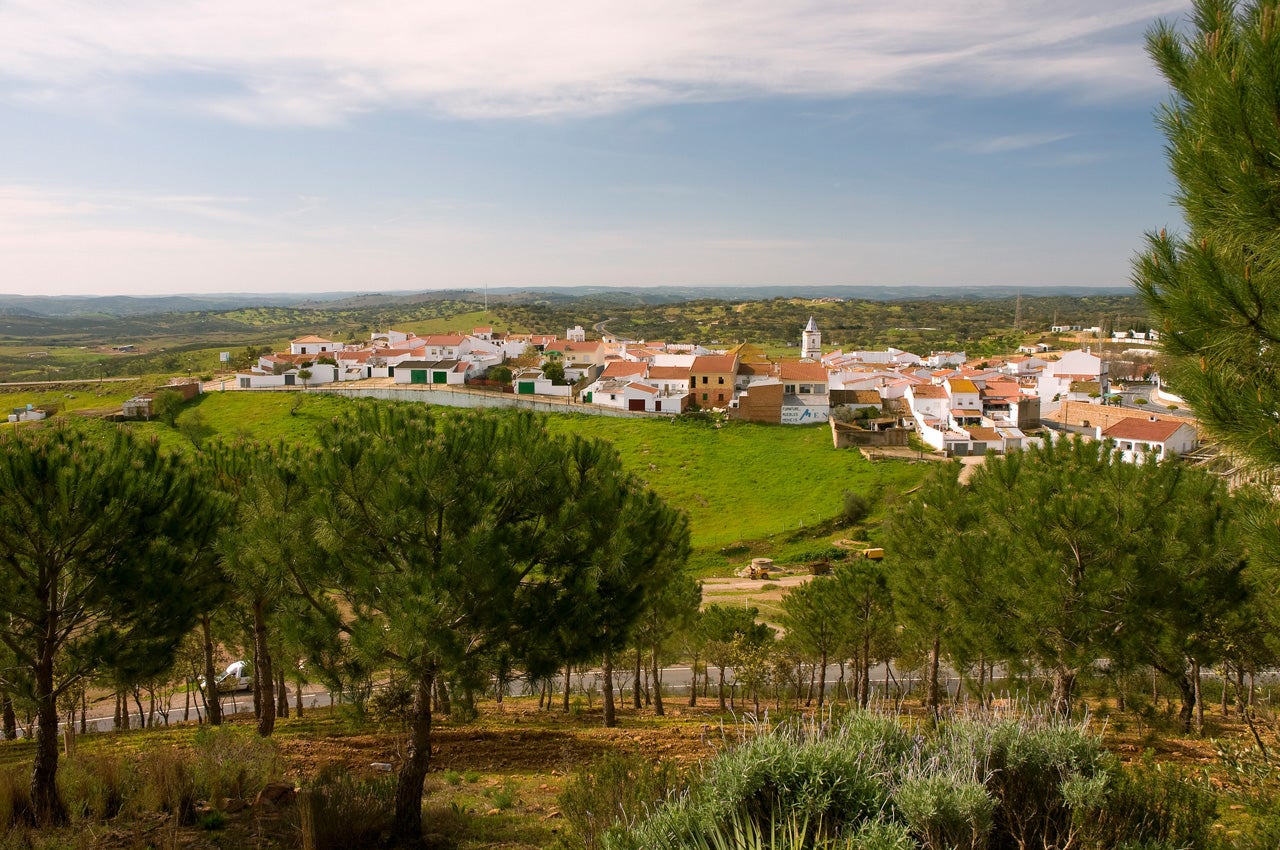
(1137, 439)
(430, 372)
(313, 345)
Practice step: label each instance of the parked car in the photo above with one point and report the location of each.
(237, 677)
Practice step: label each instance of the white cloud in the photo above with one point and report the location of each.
(311, 62)
(1013, 142)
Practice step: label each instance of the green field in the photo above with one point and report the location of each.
(750, 490)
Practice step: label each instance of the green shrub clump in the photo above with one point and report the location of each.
(867, 781)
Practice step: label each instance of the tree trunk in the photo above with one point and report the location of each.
(931, 694)
(1197, 696)
(45, 799)
(693, 681)
(446, 703)
(137, 700)
(635, 693)
(864, 686)
(657, 685)
(822, 679)
(722, 689)
(982, 680)
(606, 666)
(1064, 681)
(84, 710)
(568, 679)
(8, 719)
(297, 701)
(1187, 691)
(263, 675)
(406, 827)
(213, 705)
(282, 694)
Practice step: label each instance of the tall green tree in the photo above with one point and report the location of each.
(99, 542)
(1101, 558)
(1215, 289)
(724, 628)
(814, 620)
(862, 594)
(449, 539)
(935, 540)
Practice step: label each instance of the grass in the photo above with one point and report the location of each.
(744, 481)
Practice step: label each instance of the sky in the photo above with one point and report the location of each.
(209, 146)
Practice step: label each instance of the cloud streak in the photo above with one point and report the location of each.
(303, 62)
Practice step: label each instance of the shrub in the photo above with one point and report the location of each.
(337, 811)
(15, 799)
(166, 784)
(232, 763)
(946, 812)
(857, 507)
(616, 789)
(94, 787)
(864, 782)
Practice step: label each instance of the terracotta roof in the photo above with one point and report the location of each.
(307, 339)
(713, 363)
(962, 385)
(444, 339)
(802, 370)
(1147, 430)
(866, 397)
(929, 391)
(643, 387)
(623, 369)
(984, 435)
(668, 373)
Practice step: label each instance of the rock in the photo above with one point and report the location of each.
(234, 804)
(385, 767)
(277, 794)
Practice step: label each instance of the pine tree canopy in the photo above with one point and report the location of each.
(1215, 290)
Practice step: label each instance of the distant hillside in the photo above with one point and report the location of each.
(67, 306)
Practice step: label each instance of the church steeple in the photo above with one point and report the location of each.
(811, 341)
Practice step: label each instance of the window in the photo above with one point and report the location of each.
(704, 396)
(789, 388)
(720, 380)
(704, 380)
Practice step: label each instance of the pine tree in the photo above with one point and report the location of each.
(99, 541)
(448, 540)
(1215, 290)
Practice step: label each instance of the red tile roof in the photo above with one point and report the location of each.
(623, 369)
(715, 363)
(929, 391)
(1147, 430)
(668, 373)
(802, 370)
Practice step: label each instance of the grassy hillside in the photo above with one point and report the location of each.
(748, 489)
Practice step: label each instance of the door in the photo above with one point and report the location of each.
(635, 404)
(417, 376)
(439, 377)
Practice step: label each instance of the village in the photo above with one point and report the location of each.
(954, 405)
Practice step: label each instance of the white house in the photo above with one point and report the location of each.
(430, 372)
(313, 345)
(1137, 439)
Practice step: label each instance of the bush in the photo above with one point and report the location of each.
(94, 787)
(946, 812)
(166, 784)
(337, 811)
(857, 507)
(15, 799)
(865, 782)
(232, 763)
(617, 789)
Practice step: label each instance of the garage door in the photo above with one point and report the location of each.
(417, 376)
(635, 404)
(439, 377)
(525, 388)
